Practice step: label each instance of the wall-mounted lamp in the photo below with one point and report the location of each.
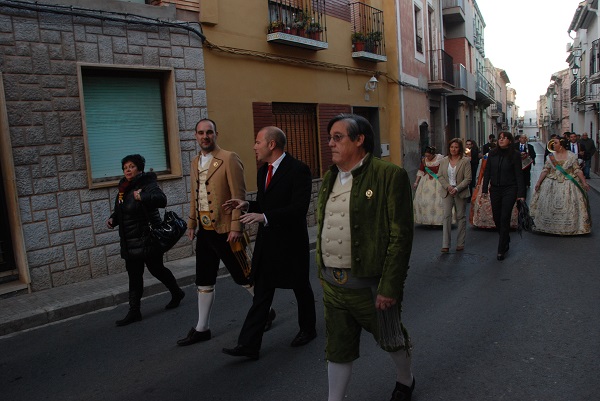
(371, 85)
(575, 69)
(555, 96)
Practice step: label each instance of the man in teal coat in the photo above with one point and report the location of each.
(364, 241)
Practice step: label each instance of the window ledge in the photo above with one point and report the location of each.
(298, 41)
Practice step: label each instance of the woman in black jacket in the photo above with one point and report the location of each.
(135, 207)
(503, 171)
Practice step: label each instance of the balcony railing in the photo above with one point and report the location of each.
(595, 61)
(496, 109)
(441, 73)
(368, 39)
(485, 90)
(298, 23)
(578, 89)
(419, 41)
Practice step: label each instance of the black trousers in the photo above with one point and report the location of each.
(211, 248)
(156, 267)
(254, 325)
(503, 199)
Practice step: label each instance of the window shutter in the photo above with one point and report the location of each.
(124, 115)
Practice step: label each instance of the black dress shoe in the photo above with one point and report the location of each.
(402, 392)
(175, 299)
(272, 316)
(240, 350)
(500, 256)
(303, 338)
(194, 337)
(134, 315)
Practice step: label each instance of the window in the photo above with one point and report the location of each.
(299, 122)
(129, 111)
(418, 30)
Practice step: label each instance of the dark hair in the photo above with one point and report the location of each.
(277, 135)
(430, 149)
(356, 125)
(461, 146)
(492, 136)
(473, 142)
(507, 135)
(206, 119)
(136, 159)
(564, 143)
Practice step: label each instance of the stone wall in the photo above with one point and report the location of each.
(63, 221)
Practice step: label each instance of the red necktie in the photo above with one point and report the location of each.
(269, 176)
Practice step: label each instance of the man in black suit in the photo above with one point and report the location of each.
(281, 251)
(576, 147)
(526, 150)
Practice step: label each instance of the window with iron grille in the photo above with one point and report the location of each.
(299, 122)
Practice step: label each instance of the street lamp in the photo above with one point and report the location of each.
(575, 70)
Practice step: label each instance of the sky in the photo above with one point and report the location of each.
(528, 39)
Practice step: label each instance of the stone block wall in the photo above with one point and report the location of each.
(63, 221)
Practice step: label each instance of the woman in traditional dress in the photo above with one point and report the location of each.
(560, 204)
(454, 177)
(428, 205)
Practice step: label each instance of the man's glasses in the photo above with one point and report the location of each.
(336, 137)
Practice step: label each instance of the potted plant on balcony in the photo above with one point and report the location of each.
(314, 30)
(373, 40)
(358, 41)
(299, 24)
(276, 26)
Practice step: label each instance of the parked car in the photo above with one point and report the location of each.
(533, 138)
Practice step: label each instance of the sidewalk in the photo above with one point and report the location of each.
(43, 307)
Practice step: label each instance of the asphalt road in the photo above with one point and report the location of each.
(526, 328)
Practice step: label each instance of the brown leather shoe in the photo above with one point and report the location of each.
(460, 248)
(445, 250)
(194, 337)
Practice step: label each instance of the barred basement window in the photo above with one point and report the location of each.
(299, 122)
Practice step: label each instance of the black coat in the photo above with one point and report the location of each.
(132, 216)
(503, 169)
(281, 253)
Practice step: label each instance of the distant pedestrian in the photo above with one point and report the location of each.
(364, 241)
(429, 208)
(590, 152)
(137, 205)
(474, 156)
(455, 177)
(527, 158)
(504, 178)
(491, 143)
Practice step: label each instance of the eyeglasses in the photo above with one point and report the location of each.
(336, 137)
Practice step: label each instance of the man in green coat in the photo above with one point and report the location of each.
(364, 241)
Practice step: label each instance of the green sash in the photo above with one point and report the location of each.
(570, 177)
(431, 173)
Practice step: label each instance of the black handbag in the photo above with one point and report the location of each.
(163, 236)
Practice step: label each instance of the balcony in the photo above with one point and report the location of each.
(464, 84)
(480, 42)
(453, 11)
(441, 74)
(299, 23)
(578, 91)
(368, 41)
(484, 93)
(592, 93)
(496, 109)
(595, 62)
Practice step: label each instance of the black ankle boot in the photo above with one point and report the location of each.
(176, 298)
(134, 315)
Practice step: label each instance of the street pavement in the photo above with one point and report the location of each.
(39, 308)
